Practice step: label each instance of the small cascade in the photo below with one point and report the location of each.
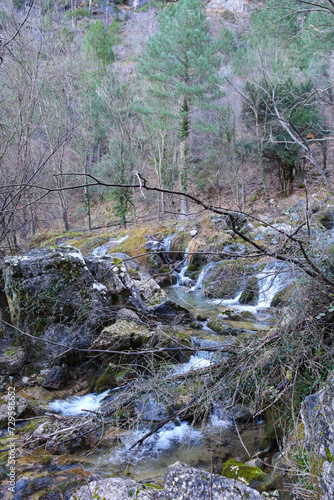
(168, 437)
(202, 276)
(76, 405)
(274, 277)
(104, 249)
(183, 280)
(166, 246)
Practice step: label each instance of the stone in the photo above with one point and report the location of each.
(250, 293)
(127, 315)
(113, 488)
(169, 310)
(318, 417)
(193, 232)
(56, 378)
(182, 482)
(21, 407)
(122, 335)
(55, 296)
(12, 360)
(224, 222)
(125, 279)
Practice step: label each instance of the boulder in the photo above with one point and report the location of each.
(52, 288)
(250, 293)
(113, 488)
(183, 482)
(227, 279)
(127, 315)
(225, 222)
(56, 378)
(170, 311)
(122, 336)
(125, 279)
(12, 360)
(318, 417)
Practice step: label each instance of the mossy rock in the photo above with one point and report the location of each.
(227, 279)
(237, 470)
(107, 380)
(283, 297)
(250, 294)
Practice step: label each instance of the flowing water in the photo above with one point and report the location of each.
(112, 243)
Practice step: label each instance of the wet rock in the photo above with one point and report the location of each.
(227, 279)
(148, 409)
(21, 407)
(56, 378)
(171, 311)
(12, 360)
(284, 296)
(182, 483)
(250, 293)
(112, 489)
(318, 417)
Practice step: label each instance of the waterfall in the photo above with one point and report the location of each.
(274, 277)
(183, 280)
(203, 274)
(166, 246)
(104, 249)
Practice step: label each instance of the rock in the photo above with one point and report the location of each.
(224, 222)
(193, 232)
(112, 489)
(255, 462)
(325, 218)
(55, 296)
(220, 326)
(125, 279)
(318, 417)
(149, 409)
(227, 279)
(56, 378)
(236, 470)
(122, 335)
(182, 482)
(21, 407)
(127, 315)
(284, 296)
(113, 271)
(12, 360)
(169, 310)
(250, 293)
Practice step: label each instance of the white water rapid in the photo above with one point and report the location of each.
(76, 405)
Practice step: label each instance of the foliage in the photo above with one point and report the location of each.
(99, 42)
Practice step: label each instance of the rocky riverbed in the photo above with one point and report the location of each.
(115, 376)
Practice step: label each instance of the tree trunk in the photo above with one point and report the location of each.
(184, 155)
(4, 307)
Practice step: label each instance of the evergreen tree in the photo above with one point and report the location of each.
(180, 63)
(100, 42)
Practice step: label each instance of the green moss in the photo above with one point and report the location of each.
(235, 470)
(107, 379)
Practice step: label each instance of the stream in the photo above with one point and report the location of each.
(202, 445)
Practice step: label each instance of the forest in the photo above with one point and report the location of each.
(167, 201)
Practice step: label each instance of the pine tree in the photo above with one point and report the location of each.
(180, 63)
